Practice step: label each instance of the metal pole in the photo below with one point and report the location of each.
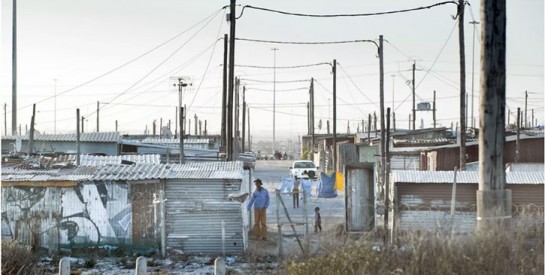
(14, 72)
(474, 23)
(274, 100)
(334, 157)
(277, 191)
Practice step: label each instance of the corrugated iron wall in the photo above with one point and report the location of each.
(195, 210)
(422, 206)
(347, 154)
(360, 197)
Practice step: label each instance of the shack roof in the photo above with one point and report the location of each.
(198, 170)
(463, 177)
(108, 137)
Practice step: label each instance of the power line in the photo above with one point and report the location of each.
(353, 83)
(285, 67)
(268, 81)
(124, 64)
(344, 15)
(304, 43)
(285, 90)
(159, 65)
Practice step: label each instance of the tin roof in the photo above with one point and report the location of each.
(84, 137)
(165, 141)
(463, 177)
(197, 170)
(90, 160)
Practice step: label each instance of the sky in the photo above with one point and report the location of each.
(126, 54)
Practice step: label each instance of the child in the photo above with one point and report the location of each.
(317, 220)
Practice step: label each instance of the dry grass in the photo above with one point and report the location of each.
(499, 250)
(18, 259)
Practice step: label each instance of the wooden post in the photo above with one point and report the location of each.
(414, 102)
(232, 22)
(382, 126)
(526, 109)
(517, 144)
(77, 139)
(434, 111)
(31, 137)
(243, 118)
(223, 142)
(461, 8)
(493, 201)
(98, 116)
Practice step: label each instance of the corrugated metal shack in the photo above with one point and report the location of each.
(90, 143)
(121, 205)
(422, 199)
(445, 158)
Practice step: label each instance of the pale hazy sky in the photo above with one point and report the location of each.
(84, 45)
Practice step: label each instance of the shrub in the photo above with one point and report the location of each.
(17, 259)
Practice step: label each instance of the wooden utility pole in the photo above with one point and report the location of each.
(223, 142)
(181, 119)
(394, 121)
(196, 119)
(334, 158)
(237, 114)
(462, 136)
(493, 200)
(382, 127)
(517, 144)
(312, 117)
(375, 123)
(434, 111)
(82, 123)
(14, 71)
(176, 124)
(153, 127)
(386, 177)
(249, 137)
(78, 152)
(5, 119)
(243, 117)
(31, 136)
(414, 95)
(369, 129)
(98, 117)
(232, 21)
(526, 109)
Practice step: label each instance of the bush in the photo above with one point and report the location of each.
(18, 259)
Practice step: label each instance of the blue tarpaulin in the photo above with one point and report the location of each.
(327, 184)
(307, 186)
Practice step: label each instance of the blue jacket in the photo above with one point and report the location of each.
(260, 198)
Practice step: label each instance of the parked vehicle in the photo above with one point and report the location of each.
(248, 161)
(303, 169)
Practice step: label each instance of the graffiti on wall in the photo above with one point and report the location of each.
(88, 214)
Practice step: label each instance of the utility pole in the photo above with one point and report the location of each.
(98, 108)
(382, 127)
(334, 158)
(274, 100)
(369, 129)
(434, 111)
(77, 138)
(55, 109)
(474, 23)
(462, 136)
(249, 139)
(6, 119)
(181, 117)
(232, 21)
(526, 109)
(237, 114)
(116, 125)
(196, 119)
(386, 179)
(176, 123)
(517, 144)
(14, 71)
(223, 142)
(31, 136)
(243, 116)
(414, 94)
(82, 121)
(312, 117)
(493, 200)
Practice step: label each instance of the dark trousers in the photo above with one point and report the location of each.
(317, 226)
(295, 199)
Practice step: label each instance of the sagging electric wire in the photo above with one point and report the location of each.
(278, 90)
(284, 67)
(345, 15)
(269, 81)
(159, 65)
(124, 64)
(359, 90)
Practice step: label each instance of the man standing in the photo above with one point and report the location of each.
(260, 201)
